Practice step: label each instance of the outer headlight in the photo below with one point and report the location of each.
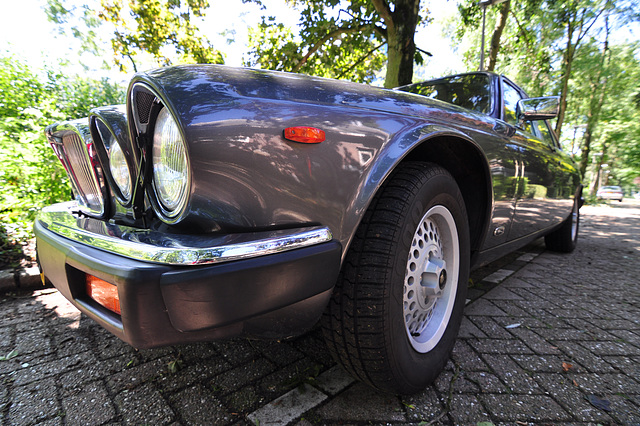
(170, 167)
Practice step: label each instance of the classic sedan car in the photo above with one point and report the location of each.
(226, 202)
(610, 193)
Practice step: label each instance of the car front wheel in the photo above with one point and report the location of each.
(396, 310)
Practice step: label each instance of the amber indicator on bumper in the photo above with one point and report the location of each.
(104, 293)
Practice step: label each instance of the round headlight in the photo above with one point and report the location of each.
(170, 166)
(118, 167)
(120, 170)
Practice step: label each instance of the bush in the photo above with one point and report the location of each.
(31, 176)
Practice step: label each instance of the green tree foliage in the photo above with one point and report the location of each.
(541, 37)
(603, 91)
(31, 176)
(563, 47)
(343, 39)
(161, 28)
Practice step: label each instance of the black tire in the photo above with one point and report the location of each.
(565, 238)
(377, 300)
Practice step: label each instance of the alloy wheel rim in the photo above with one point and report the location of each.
(431, 279)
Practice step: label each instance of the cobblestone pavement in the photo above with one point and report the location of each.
(547, 338)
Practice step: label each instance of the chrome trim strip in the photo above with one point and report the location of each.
(174, 249)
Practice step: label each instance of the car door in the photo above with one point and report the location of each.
(542, 195)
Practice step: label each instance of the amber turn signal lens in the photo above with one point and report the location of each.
(304, 134)
(104, 293)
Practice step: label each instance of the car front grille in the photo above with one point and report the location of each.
(83, 169)
(73, 145)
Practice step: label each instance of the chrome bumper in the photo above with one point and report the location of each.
(174, 249)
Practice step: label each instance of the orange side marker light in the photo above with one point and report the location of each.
(304, 134)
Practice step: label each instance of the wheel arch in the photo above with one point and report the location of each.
(469, 167)
(448, 148)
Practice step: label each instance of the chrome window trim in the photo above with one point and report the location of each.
(174, 249)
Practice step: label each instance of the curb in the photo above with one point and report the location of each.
(28, 278)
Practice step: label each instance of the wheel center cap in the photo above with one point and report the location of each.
(434, 277)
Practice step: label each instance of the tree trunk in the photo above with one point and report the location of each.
(401, 26)
(596, 101)
(593, 188)
(567, 62)
(497, 34)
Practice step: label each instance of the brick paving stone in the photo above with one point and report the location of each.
(625, 410)
(237, 351)
(561, 387)
(490, 327)
(499, 346)
(286, 378)
(575, 353)
(469, 329)
(524, 408)
(484, 308)
(455, 382)
(197, 405)
(333, 380)
(517, 379)
(486, 382)
(534, 341)
(131, 377)
(539, 364)
(247, 399)
(466, 358)
(242, 375)
(144, 405)
(91, 371)
(361, 403)
(467, 409)
(33, 403)
(36, 341)
(312, 345)
(89, 405)
(611, 348)
(192, 373)
(279, 353)
(606, 383)
(288, 407)
(423, 407)
(629, 366)
(35, 371)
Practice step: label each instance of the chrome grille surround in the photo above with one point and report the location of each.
(72, 143)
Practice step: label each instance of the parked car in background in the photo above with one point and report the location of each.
(610, 193)
(225, 202)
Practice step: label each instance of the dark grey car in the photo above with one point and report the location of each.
(222, 202)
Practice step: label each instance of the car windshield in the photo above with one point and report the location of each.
(471, 91)
(611, 188)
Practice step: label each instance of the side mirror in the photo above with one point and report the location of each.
(532, 109)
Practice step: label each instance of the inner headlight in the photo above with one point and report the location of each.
(170, 166)
(120, 170)
(117, 163)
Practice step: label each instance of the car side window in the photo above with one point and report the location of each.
(511, 96)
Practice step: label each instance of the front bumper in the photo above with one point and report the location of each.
(179, 289)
